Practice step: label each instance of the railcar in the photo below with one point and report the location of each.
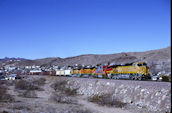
(87, 72)
(68, 72)
(60, 72)
(134, 71)
(137, 70)
(52, 72)
(100, 71)
(75, 72)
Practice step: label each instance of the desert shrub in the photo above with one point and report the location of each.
(10, 82)
(40, 81)
(63, 92)
(3, 91)
(101, 99)
(7, 82)
(29, 94)
(22, 84)
(2, 82)
(64, 88)
(4, 112)
(4, 96)
(70, 92)
(60, 98)
(26, 85)
(8, 98)
(20, 106)
(59, 85)
(165, 78)
(118, 103)
(106, 100)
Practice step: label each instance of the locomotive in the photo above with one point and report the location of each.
(134, 71)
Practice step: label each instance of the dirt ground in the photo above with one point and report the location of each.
(43, 103)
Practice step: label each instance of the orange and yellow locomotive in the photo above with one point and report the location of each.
(137, 70)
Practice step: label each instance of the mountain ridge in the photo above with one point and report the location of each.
(157, 60)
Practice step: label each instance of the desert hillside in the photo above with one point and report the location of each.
(157, 60)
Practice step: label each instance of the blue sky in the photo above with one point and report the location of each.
(62, 28)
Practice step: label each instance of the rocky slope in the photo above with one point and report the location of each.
(149, 97)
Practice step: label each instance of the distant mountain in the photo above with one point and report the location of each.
(12, 59)
(157, 60)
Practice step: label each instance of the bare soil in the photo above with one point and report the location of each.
(44, 104)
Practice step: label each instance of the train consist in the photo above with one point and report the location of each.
(134, 71)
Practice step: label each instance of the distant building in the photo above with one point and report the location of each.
(28, 67)
(35, 72)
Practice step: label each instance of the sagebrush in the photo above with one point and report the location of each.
(4, 96)
(27, 85)
(64, 87)
(106, 100)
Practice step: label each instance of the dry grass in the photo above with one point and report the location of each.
(165, 78)
(29, 94)
(3, 91)
(70, 92)
(39, 82)
(63, 93)
(7, 82)
(63, 87)
(4, 112)
(2, 82)
(106, 100)
(21, 107)
(27, 85)
(59, 85)
(61, 98)
(4, 97)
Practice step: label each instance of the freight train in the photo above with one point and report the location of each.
(134, 71)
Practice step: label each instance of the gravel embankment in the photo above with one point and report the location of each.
(149, 95)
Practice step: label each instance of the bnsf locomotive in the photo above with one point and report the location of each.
(134, 71)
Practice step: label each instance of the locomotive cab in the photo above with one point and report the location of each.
(142, 69)
(142, 64)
